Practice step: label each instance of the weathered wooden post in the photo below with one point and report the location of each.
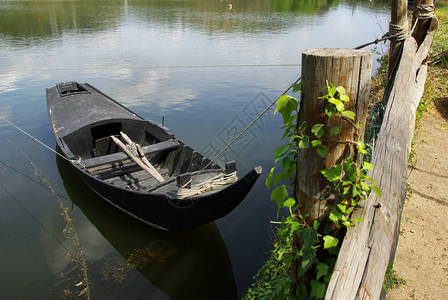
(423, 15)
(351, 69)
(398, 21)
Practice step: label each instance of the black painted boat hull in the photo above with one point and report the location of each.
(83, 119)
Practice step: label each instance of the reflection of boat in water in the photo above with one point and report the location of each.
(138, 165)
(192, 264)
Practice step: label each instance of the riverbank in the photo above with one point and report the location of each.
(421, 261)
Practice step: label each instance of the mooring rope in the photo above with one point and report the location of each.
(398, 33)
(78, 161)
(244, 130)
(425, 11)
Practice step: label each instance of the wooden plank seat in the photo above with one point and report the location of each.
(137, 180)
(94, 162)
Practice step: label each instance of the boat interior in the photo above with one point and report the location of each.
(104, 159)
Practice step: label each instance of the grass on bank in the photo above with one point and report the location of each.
(274, 273)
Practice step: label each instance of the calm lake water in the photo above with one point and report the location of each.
(208, 70)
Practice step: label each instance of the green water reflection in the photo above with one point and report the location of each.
(47, 19)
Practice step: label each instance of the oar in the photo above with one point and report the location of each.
(148, 168)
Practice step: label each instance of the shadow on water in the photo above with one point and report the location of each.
(192, 264)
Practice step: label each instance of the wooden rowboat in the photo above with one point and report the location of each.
(138, 165)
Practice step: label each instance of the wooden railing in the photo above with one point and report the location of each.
(369, 246)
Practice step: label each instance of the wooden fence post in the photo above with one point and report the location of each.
(423, 25)
(398, 17)
(351, 69)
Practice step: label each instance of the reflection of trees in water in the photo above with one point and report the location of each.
(28, 19)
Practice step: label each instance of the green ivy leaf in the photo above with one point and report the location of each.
(309, 237)
(304, 143)
(316, 224)
(290, 119)
(286, 164)
(289, 202)
(361, 147)
(377, 190)
(281, 151)
(286, 112)
(335, 216)
(269, 178)
(335, 130)
(340, 106)
(348, 114)
(347, 223)
(359, 219)
(297, 87)
(332, 174)
(334, 101)
(322, 151)
(331, 89)
(316, 128)
(294, 226)
(318, 289)
(355, 192)
(322, 270)
(344, 98)
(285, 134)
(330, 241)
(282, 101)
(292, 153)
(278, 177)
(350, 170)
(330, 110)
(279, 194)
(315, 143)
(367, 166)
(340, 90)
(342, 207)
(302, 127)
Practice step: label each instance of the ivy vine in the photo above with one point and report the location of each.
(318, 244)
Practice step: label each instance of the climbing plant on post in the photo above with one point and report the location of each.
(351, 69)
(314, 193)
(322, 155)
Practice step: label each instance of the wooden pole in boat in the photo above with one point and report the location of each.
(351, 69)
(398, 18)
(150, 169)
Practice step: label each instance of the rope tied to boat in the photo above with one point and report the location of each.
(76, 161)
(211, 184)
